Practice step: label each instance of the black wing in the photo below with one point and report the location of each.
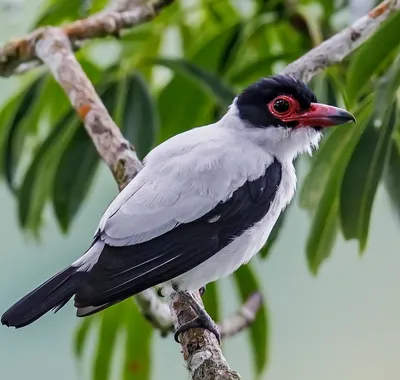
(127, 270)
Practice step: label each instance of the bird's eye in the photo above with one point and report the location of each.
(281, 105)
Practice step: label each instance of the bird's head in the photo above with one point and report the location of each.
(284, 114)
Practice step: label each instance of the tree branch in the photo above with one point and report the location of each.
(107, 23)
(53, 47)
(201, 349)
(155, 311)
(243, 318)
(338, 47)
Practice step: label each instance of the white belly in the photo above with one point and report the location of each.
(243, 248)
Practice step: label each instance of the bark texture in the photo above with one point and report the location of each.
(107, 23)
(55, 48)
(339, 46)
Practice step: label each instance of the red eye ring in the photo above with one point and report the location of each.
(283, 106)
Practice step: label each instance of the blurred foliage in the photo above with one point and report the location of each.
(180, 71)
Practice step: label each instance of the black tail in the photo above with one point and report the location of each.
(53, 294)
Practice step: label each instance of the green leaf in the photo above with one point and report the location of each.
(230, 52)
(77, 167)
(211, 301)
(74, 176)
(219, 11)
(81, 335)
(140, 122)
(368, 160)
(325, 158)
(276, 229)
(110, 326)
(57, 103)
(92, 70)
(258, 68)
(138, 33)
(123, 318)
(310, 15)
(386, 89)
(273, 236)
(97, 5)
(324, 88)
(138, 354)
(23, 118)
(6, 117)
(362, 177)
(329, 8)
(58, 12)
(328, 153)
(370, 55)
(36, 185)
(187, 36)
(247, 284)
(194, 106)
(392, 175)
(320, 247)
(324, 225)
(212, 82)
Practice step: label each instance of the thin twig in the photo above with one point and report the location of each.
(53, 46)
(107, 23)
(243, 318)
(155, 311)
(338, 47)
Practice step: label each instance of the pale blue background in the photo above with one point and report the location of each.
(344, 324)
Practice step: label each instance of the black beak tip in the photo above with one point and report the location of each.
(346, 117)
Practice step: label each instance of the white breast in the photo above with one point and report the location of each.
(243, 248)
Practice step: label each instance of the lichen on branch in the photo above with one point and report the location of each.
(107, 23)
(54, 47)
(339, 46)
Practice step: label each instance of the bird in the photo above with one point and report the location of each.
(204, 204)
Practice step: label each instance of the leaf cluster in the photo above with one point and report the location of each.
(180, 71)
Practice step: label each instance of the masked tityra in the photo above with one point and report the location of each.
(203, 205)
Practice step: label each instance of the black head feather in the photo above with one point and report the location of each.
(252, 102)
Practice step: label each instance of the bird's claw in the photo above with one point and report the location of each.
(199, 322)
(202, 290)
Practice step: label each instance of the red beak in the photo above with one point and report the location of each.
(321, 115)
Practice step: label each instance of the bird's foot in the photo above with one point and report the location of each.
(203, 320)
(199, 322)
